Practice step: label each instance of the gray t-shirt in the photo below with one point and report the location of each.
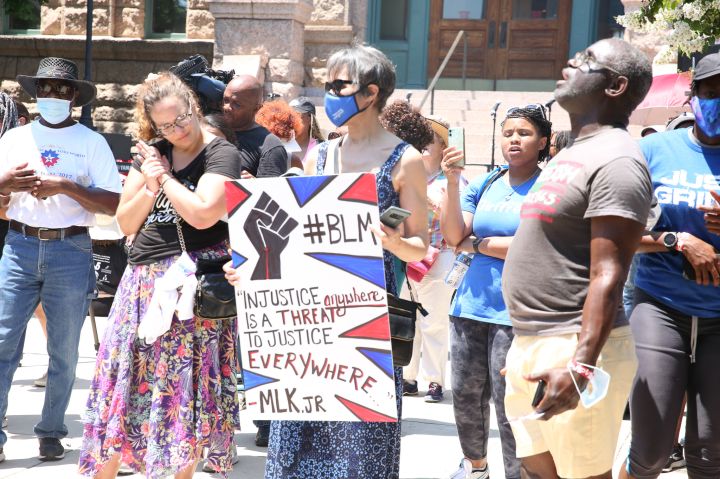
(547, 270)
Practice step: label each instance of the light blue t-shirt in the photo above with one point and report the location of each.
(497, 213)
(683, 174)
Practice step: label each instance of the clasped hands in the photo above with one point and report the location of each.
(153, 166)
(21, 179)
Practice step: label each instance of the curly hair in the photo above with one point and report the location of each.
(407, 123)
(157, 88)
(536, 115)
(278, 117)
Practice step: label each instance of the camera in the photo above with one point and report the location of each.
(208, 84)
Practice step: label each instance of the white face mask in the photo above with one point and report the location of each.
(596, 388)
(53, 110)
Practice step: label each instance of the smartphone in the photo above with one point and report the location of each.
(393, 216)
(539, 393)
(456, 138)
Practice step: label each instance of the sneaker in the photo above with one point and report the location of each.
(410, 388)
(51, 449)
(676, 459)
(262, 436)
(2, 455)
(41, 382)
(435, 393)
(466, 471)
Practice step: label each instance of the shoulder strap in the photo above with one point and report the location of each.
(494, 175)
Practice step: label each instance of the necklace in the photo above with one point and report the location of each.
(515, 189)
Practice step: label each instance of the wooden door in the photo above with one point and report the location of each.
(478, 18)
(507, 39)
(533, 38)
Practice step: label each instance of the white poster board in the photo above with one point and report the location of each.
(312, 307)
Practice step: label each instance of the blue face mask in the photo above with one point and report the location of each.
(707, 115)
(340, 109)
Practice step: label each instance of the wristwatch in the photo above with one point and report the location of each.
(670, 240)
(476, 244)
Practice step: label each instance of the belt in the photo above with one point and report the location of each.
(45, 234)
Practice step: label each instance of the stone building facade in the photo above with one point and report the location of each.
(284, 42)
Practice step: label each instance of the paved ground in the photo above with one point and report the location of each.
(430, 448)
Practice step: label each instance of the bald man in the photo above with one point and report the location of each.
(263, 154)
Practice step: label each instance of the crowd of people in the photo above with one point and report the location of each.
(538, 326)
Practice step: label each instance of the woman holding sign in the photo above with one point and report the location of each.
(360, 81)
(164, 386)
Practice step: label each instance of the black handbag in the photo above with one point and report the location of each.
(402, 314)
(214, 296)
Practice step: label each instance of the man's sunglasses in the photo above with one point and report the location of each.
(46, 88)
(532, 107)
(585, 58)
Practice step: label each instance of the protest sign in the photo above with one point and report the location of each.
(312, 308)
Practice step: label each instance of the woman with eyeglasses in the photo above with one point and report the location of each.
(360, 81)
(482, 221)
(164, 388)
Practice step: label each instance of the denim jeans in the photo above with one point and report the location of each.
(58, 273)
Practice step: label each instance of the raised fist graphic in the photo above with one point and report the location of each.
(268, 227)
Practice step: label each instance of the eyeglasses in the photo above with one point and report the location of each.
(336, 85)
(180, 122)
(62, 89)
(532, 107)
(585, 58)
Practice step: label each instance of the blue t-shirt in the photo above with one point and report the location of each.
(497, 213)
(683, 173)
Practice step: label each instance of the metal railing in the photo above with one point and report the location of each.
(431, 89)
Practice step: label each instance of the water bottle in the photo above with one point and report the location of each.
(458, 270)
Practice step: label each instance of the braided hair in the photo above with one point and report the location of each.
(8, 113)
(536, 115)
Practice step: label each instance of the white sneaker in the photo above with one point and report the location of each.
(466, 471)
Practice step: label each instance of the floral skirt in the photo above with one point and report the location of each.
(157, 404)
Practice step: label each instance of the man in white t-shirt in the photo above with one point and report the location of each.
(55, 174)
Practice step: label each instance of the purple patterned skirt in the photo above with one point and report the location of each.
(158, 404)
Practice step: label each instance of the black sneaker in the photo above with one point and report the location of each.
(51, 449)
(262, 436)
(410, 388)
(676, 459)
(2, 455)
(435, 393)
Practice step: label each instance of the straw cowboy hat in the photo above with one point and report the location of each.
(53, 68)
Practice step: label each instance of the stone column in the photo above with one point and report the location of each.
(271, 31)
(200, 23)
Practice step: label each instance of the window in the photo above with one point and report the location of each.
(23, 17)
(165, 18)
(393, 20)
(463, 9)
(534, 9)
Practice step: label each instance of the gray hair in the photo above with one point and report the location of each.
(633, 64)
(365, 65)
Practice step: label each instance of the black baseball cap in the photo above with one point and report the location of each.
(707, 67)
(302, 105)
